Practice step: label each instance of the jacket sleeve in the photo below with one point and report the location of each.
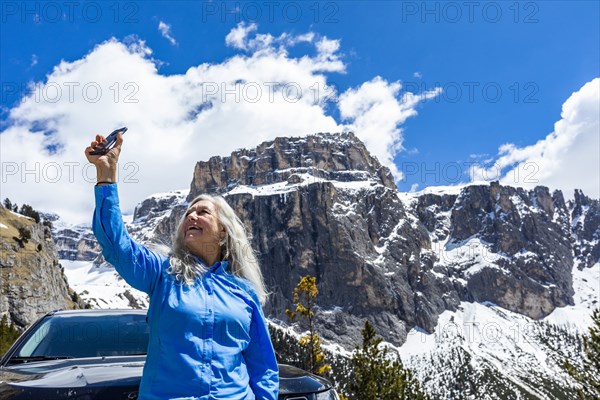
(260, 358)
(140, 267)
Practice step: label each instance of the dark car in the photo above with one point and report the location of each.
(99, 355)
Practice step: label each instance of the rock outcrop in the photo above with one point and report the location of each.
(76, 244)
(340, 158)
(33, 282)
(585, 227)
(73, 243)
(519, 244)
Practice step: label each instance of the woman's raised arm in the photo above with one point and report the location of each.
(140, 267)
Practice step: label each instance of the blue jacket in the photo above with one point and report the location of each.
(208, 340)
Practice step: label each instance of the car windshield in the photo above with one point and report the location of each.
(77, 336)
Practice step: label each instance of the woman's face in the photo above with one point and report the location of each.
(203, 232)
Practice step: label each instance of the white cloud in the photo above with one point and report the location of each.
(328, 56)
(165, 31)
(567, 159)
(475, 155)
(176, 120)
(417, 75)
(34, 60)
(376, 112)
(245, 37)
(238, 36)
(307, 37)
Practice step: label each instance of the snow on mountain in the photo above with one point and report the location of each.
(586, 283)
(482, 347)
(494, 346)
(483, 351)
(101, 287)
(303, 177)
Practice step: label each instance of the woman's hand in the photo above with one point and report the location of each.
(106, 165)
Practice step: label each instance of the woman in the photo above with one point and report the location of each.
(208, 334)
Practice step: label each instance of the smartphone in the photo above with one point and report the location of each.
(111, 139)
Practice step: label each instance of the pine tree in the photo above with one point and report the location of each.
(24, 236)
(8, 204)
(28, 211)
(379, 375)
(589, 375)
(305, 295)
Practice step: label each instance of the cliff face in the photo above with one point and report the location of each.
(585, 229)
(32, 280)
(337, 158)
(517, 242)
(74, 243)
(355, 241)
(321, 205)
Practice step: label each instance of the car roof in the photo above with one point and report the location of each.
(99, 312)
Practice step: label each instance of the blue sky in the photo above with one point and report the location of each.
(503, 73)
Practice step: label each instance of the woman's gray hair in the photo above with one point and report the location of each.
(235, 248)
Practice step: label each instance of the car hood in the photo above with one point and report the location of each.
(294, 380)
(90, 377)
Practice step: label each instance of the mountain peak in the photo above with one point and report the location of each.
(330, 156)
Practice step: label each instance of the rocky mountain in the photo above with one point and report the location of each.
(76, 243)
(32, 279)
(521, 253)
(411, 263)
(321, 205)
(585, 220)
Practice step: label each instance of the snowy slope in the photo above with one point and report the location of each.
(101, 286)
(586, 284)
(483, 351)
(479, 348)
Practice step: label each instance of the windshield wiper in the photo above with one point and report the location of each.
(23, 360)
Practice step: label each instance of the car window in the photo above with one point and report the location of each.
(87, 336)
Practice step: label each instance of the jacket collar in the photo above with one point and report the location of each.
(217, 268)
(220, 267)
